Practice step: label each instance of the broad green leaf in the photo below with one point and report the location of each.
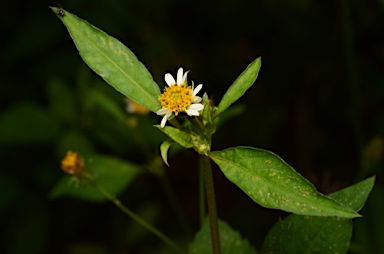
(272, 183)
(114, 62)
(230, 241)
(240, 86)
(164, 147)
(108, 104)
(183, 138)
(113, 174)
(27, 122)
(314, 234)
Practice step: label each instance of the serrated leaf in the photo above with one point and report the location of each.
(240, 86)
(230, 241)
(113, 174)
(164, 147)
(313, 234)
(272, 183)
(113, 61)
(181, 137)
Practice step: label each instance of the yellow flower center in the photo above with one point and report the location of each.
(176, 98)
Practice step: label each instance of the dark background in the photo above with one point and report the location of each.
(318, 103)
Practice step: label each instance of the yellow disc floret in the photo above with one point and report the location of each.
(176, 98)
(72, 164)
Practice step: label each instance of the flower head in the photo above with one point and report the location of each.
(178, 97)
(72, 163)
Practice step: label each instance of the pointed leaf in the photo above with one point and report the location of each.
(313, 234)
(183, 138)
(272, 183)
(164, 147)
(240, 86)
(355, 195)
(230, 241)
(114, 62)
(113, 174)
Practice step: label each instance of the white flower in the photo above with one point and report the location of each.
(178, 97)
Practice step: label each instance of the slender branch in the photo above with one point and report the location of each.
(212, 213)
(135, 217)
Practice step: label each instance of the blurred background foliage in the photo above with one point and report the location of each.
(318, 103)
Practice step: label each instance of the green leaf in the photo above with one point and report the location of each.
(310, 234)
(272, 183)
(164, 147)
(114, 62)
(27, 122)
(183, 138)
(355, 195)
(108, 104)
(113, 174)
(230, 241)
(240, 86)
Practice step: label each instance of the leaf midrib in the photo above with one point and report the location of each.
(111, 61)
(270, 183)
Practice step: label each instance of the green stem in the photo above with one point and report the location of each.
(201, 192)
(135, 217)
(212, 213)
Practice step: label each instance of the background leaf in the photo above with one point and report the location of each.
(309, 234)
(230, 241)
(272, 183)
(113, 61)
(113, 174)
(240, 86)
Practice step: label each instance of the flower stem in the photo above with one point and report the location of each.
(202, 208)
(212, 213)
(135, 217)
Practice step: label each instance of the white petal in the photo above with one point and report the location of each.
(192, 112)
(162, 111)
(197, 106)
(197, 89)
(185, 77)
(180, 76)
(196, 99)
(165, 118)
(169, 79)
